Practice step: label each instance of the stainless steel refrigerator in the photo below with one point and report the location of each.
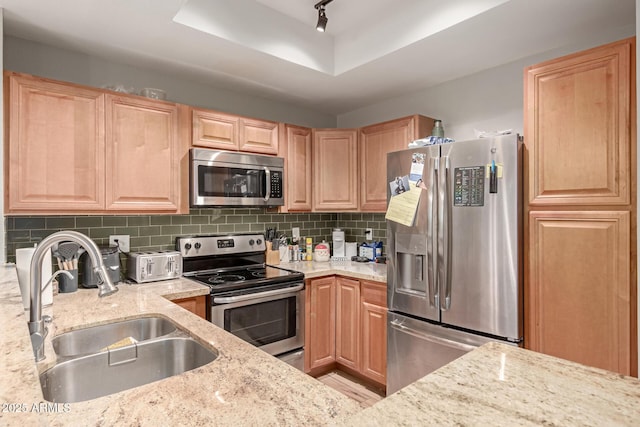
(455, 272)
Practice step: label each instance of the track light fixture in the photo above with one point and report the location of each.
(322, 16)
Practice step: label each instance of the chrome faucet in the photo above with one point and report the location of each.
(36, 324)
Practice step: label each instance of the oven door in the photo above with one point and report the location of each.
(272, 320)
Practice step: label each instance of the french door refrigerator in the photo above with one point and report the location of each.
(454, 273)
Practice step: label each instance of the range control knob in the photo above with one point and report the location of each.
(251, 242)
(187, 246)
(259, 242)
(197, 245)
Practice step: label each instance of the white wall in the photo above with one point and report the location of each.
(489, 100)
(47, 61)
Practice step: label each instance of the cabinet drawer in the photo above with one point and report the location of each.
(374, 293)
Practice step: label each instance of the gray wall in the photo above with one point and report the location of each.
(66, 65)
(489, 100)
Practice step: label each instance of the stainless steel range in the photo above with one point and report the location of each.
(262, 304)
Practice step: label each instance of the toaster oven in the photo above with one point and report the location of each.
(153, 266)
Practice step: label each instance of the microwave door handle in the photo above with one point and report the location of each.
(267, 184)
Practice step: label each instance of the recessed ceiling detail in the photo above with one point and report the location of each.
(265, 26)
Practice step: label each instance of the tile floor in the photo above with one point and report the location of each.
(351, 387)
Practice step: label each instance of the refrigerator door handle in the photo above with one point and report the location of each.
(444, 233)
(398, 325)
(432, 204)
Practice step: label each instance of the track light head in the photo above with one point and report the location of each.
(322, 20)
(322, 16)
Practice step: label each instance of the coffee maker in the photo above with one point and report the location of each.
(338, 243)
(111, 260)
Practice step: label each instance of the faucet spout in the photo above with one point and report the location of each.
(106, 287)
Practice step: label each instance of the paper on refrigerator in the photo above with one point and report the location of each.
(403, 207)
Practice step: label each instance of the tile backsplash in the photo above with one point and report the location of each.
(157, 232)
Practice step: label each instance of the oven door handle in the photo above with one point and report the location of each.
(227, 300)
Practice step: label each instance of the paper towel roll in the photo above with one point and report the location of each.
(23, 265)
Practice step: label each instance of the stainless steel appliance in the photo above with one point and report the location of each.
(225, 178)
(260, 303)
(111, 260)
(455, 275)
(154, 265)
(338, 243)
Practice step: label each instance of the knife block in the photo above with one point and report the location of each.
(273, 257)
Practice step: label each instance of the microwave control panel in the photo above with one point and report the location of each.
(276, 184)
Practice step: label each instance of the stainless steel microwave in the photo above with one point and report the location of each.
(226, 178)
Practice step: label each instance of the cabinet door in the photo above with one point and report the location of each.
(374, 331)
(578, 297)
(215, 130)
(298, 174)
(196, 305)
(55, 148)
(335, 169)
(258, 136)
(577, 127)
(348, 322)
(374, 143)
(143, 155)
(320, 338)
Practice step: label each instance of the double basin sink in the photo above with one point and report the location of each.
(106, 359)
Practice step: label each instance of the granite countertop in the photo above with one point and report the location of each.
(502, 385)
(495, 384)
(243, 385)
(359, 270)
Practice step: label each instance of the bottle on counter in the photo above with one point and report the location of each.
(309, 249)
(438, 130)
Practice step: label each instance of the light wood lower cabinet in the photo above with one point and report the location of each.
(578, 292)
(348, 322)
(346, 326)
(373, 314)
(320, 323)
(196, 305)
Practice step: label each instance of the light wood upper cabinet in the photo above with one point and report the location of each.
(298, 167)
(55, 147)
(348, 322)
(258, 136)
(335, 169)
(375, 142)
(72, 149)
(213, 129)
(144, 151)
(577, 123)
(320, 323)
(579, 289)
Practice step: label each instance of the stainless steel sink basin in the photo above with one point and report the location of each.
(110, 371)
(96, 338)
